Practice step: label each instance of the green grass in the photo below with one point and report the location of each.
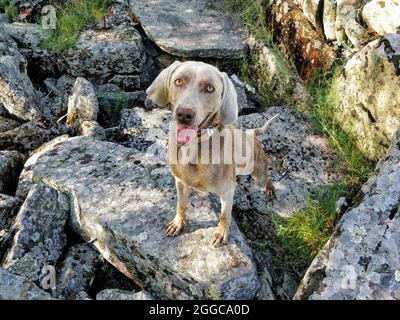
(8, 7)
(322, 106)
(72, 16)
(305, 233)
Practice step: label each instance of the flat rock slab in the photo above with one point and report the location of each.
(193, 28)
(123, 198)
(361, 260)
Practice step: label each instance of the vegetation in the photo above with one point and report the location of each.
(321, 106)
(8, 7)
(252, 14)
(72, 16)
(304, 234)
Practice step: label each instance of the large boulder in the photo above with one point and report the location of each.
(16, 90)
(361, 259)
(14, 287)
(382, 16)
(191, 29)
(301, 43)
(300, 160)
(369, 110)
(11, 163)
(122, 199)
(39, 233)
(101, 53)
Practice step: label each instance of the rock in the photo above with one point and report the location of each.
(244, 103)
(271, 72)
(118, 13)
(16, 90)
(92, 129)
(4, 18)
(145, 131)
(26, 35)
(312, 9)
(329, 19)
(298, 40)
(112, 100)
(361, 259)
(14, 287)
(29, 36)
(8, 208)
(11, 163)
(39, 233)
(99, 53)
(300, 160)
(76, 272)
(382, 16)
(123, 198)
(29, 136)
(191, 29)
(25, 182)
(65, 83)
(348, 25)
(116, 294)
(82, 105)
(7, 124)
(363, 105)
(126, 82)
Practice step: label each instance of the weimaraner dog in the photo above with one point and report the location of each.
(204, 104)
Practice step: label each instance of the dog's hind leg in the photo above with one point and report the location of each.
(261, 172)
(175, 226)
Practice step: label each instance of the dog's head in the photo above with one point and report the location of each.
(197, 91)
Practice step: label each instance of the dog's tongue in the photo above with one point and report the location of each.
(185, 135)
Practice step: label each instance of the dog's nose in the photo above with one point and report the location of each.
(185, 115)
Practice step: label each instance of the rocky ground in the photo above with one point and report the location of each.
(84, 186)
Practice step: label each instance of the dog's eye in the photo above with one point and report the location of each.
(210, 89)
(178, 82)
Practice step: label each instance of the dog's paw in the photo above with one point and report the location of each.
(174, 227)
(220, 237)
(270, 191)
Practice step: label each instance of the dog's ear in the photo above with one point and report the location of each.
(228, 113)
(158, 92)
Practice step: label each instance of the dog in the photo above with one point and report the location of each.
(204, 104)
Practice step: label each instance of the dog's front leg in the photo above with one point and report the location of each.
(222, 233)
(176, 225)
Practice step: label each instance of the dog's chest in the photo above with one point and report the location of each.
(196, 176)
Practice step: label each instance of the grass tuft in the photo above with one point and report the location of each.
(72, 16)
(305, 233)
(322, 108)
(8, 7)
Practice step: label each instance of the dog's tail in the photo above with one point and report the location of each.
(262, 129)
